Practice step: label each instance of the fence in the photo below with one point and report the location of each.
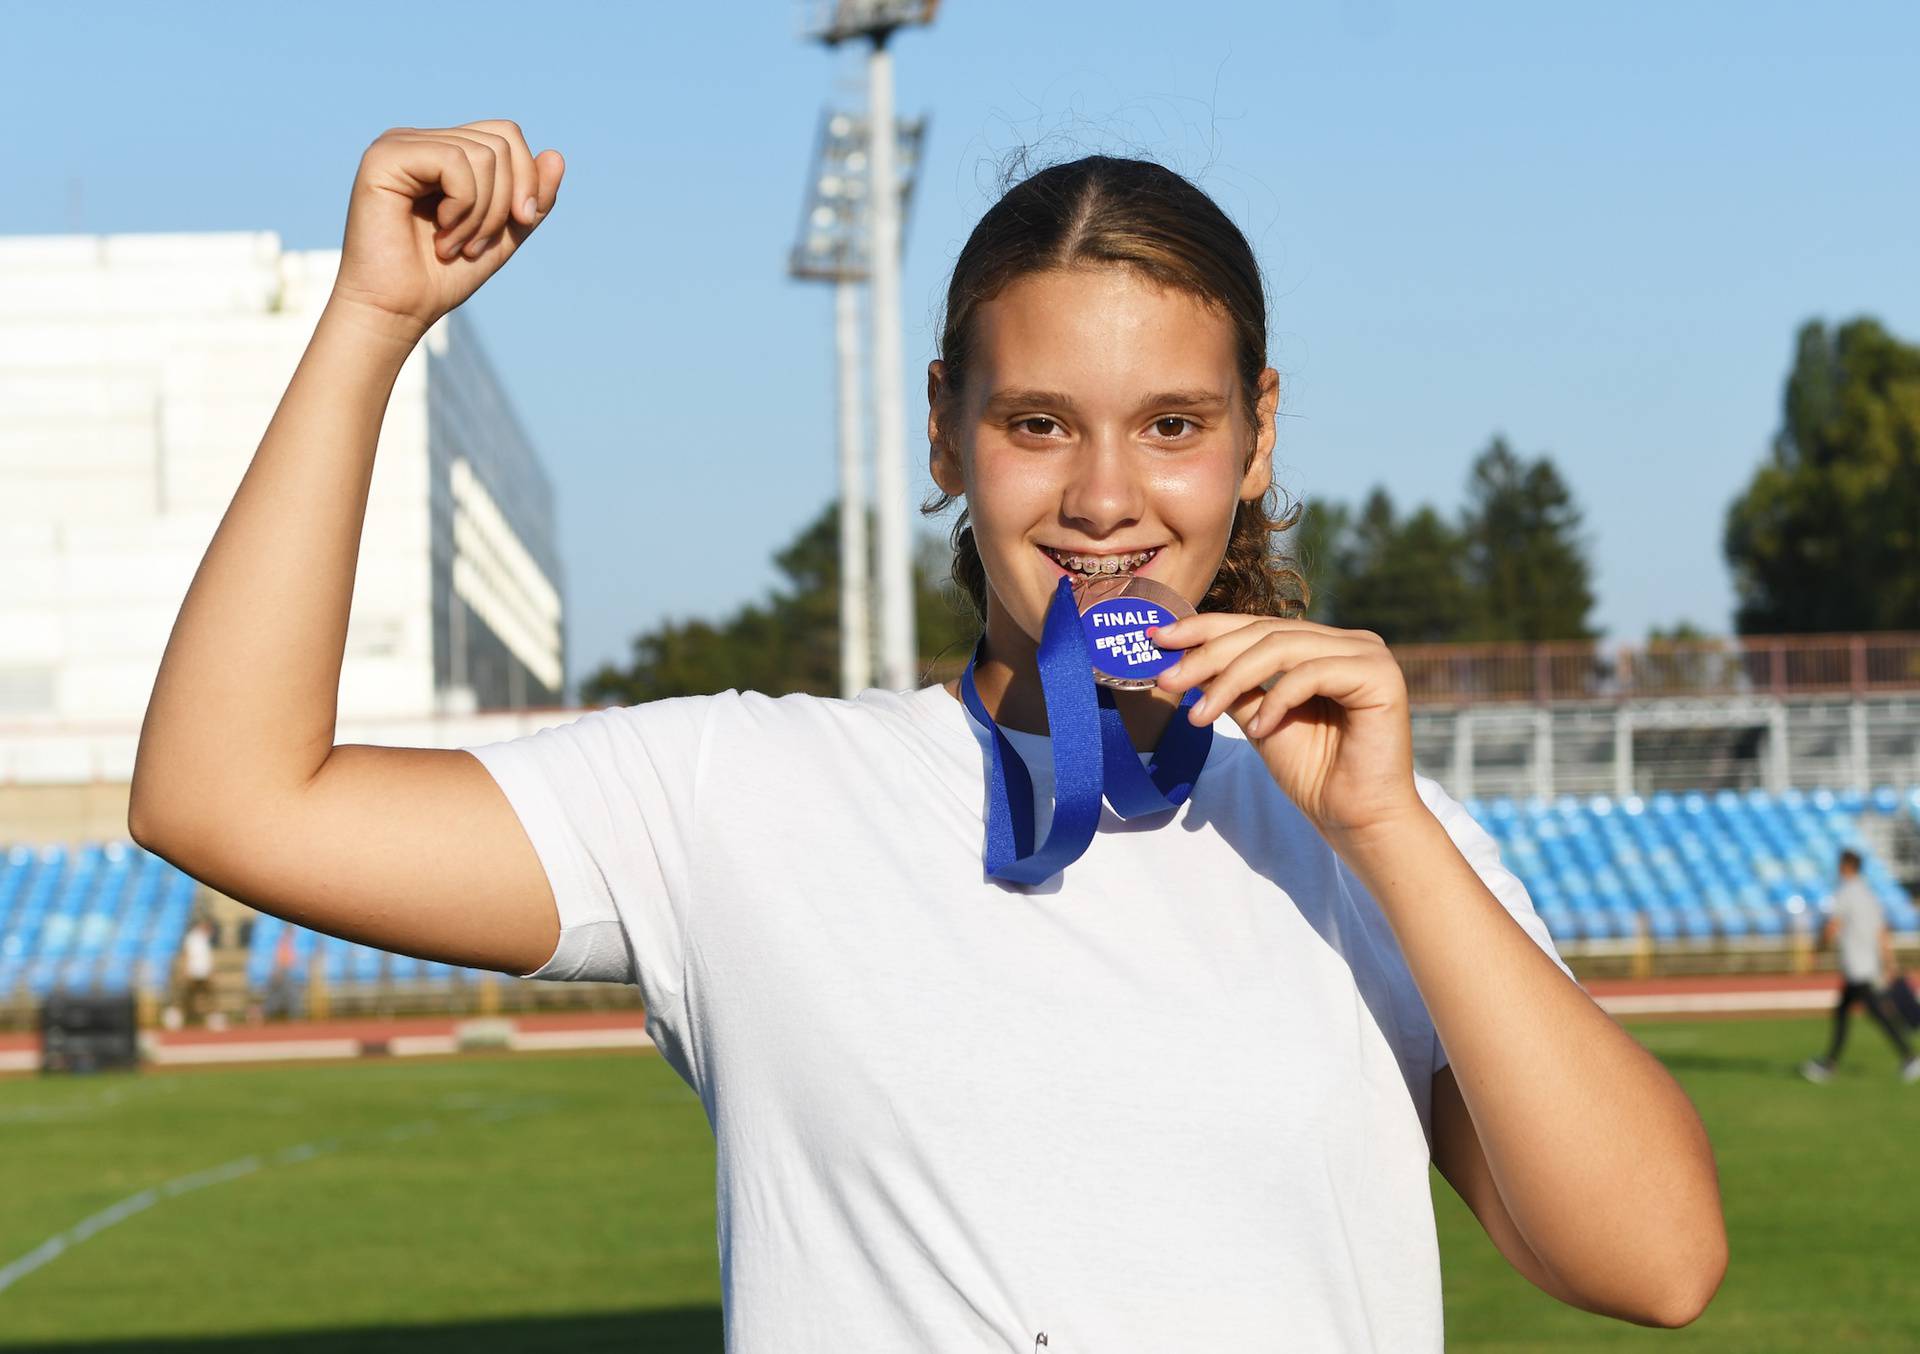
(1581, 671)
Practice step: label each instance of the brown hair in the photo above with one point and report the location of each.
(1104, 211)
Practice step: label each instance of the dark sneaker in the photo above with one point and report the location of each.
(1818, 1069)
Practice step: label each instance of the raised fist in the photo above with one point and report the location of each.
(435, 212)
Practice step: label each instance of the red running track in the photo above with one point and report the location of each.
(1731, 996)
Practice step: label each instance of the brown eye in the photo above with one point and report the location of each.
(1026, 425)
(1161, 425)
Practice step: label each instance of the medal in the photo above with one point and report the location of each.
(1116, 611)
(1093, 758)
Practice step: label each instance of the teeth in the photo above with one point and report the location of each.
(1101, 564)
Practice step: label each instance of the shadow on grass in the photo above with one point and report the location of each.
(676, 1330)
(1682, 1061)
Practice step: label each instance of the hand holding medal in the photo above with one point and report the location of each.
(1094, 642)
(1116, 612)
(1326, 709)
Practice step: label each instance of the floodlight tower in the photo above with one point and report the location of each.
(834, 245)
(876, 21)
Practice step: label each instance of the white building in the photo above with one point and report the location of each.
(137, 376)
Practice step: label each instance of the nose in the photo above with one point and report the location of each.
(1104, 490)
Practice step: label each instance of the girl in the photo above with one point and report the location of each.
(1177, 1090)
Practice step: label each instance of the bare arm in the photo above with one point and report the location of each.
(237, 780)
(1463, 1163)
(1579, 1152)
(1576, 1149)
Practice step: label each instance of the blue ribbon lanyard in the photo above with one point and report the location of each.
(1092, 757)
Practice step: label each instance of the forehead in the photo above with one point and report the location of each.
(1099, 327)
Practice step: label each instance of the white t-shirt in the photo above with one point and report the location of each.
(1860, 917)
(1176, 1098)
(198, 949)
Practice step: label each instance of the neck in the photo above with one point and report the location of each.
(1008, 680)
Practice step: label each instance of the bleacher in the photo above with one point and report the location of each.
(343, 964)
(100, 917)
(109, 917)
(1673, 870)
(1693, 867)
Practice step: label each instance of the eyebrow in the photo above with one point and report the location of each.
(1014, 398)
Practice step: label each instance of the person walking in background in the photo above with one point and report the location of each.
(1865, 960)
(197, 954)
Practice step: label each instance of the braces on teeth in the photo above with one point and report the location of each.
(1101, 564)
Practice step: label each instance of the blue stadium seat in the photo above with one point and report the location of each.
(1678, 868)
(364, 965)
(101, 915)
(345, 966)
(260, 947)
(1693, 866)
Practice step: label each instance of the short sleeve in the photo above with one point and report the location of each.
(608, 802)
(1483, 853)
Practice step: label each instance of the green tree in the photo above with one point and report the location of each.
(944, 623)
(788, 642)
(1318, 544)
(1404, 578)
(1513, 565)
(1525, 559)
(1826, 535)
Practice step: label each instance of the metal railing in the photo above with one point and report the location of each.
(1582, 671)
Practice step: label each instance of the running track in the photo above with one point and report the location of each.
(1731, 996)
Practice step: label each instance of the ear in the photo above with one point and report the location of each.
(1259, 473)
(943, 461)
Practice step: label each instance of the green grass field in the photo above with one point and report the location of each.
(536, 1203)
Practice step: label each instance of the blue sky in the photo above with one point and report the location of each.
(1594, 229)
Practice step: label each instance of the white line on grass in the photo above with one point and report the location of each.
(55, 1246)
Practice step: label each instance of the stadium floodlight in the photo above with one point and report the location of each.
(835, 21)
(876, 21)
(834, 242)
(834, 245)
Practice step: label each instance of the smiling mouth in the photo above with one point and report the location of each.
(1094, 566)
